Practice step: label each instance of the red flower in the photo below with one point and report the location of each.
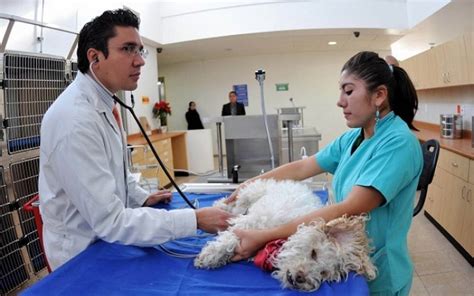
(161, 109)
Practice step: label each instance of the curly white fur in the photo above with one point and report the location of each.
(315, 253)
(262, 204)
(324, 252)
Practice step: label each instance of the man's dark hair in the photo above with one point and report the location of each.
(96, 33)
(233, 92)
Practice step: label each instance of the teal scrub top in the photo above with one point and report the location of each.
(391, 162)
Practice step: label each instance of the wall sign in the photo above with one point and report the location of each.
(281, 86)
(242, 95)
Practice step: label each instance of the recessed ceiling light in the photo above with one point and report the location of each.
(332, 43)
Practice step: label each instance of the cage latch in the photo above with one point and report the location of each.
(13, 206)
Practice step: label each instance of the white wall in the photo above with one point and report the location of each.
(146, 87)
(434, 102)
(313, 82)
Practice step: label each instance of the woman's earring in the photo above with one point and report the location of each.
(377, 115)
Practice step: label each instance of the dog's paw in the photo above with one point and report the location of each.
(217, 253)
(208, 259)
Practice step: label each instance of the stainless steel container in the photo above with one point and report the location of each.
(450, 126)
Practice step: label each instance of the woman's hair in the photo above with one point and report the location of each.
(375, 71)
(189, 105)
(96, 33)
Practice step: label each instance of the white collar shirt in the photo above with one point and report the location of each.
(83, 181)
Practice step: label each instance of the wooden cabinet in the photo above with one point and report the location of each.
(466, 236)
(454, 164)
(450, 197)
(469, 43)
(471, 171)
(455, 201)
(449, 64)
(435, 197)
(165, 152)
(410, 66)
(144, 161)
(422, 69)
(171, 148)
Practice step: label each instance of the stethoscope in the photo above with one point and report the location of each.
(142, 130)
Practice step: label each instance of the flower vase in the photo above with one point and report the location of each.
(163, 124)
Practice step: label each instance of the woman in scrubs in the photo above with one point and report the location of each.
(376, 167)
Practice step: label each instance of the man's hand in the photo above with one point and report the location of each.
(159, 196)
(212, 219)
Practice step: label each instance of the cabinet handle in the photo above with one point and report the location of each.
(462, 192)
(454, 164)
(469, 195)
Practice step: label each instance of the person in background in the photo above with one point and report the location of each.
(192, 117)
(233, 107)
(376, 167)
(86, 189)
(391, 60)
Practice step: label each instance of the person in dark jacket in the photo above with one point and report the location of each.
(234, 107)
(193, 118)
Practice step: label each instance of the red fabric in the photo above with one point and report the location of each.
(264, 257)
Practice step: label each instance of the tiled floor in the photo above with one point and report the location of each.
(439, 267)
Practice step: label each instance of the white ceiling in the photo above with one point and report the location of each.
(445, 24)
(277, 42)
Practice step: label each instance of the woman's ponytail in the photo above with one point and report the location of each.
(403, 100)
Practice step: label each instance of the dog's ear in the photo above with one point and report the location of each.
(345, 230)
(352, 241)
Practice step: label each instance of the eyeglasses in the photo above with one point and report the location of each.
(133, 50)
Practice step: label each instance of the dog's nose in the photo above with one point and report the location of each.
(300, 277)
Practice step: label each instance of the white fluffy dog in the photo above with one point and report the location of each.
(315, 253)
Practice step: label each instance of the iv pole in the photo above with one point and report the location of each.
(260, 76)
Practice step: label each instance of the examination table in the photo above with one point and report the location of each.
(113, 269)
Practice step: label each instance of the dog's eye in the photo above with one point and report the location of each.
(324, 273)
(314, 255)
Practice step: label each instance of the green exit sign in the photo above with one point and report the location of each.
(281, 86)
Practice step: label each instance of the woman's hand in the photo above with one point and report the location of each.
(251, 241)
(233, 197)
(159, 196)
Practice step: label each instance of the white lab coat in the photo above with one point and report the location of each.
(82, 181)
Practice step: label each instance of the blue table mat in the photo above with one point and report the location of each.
(113, 269)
